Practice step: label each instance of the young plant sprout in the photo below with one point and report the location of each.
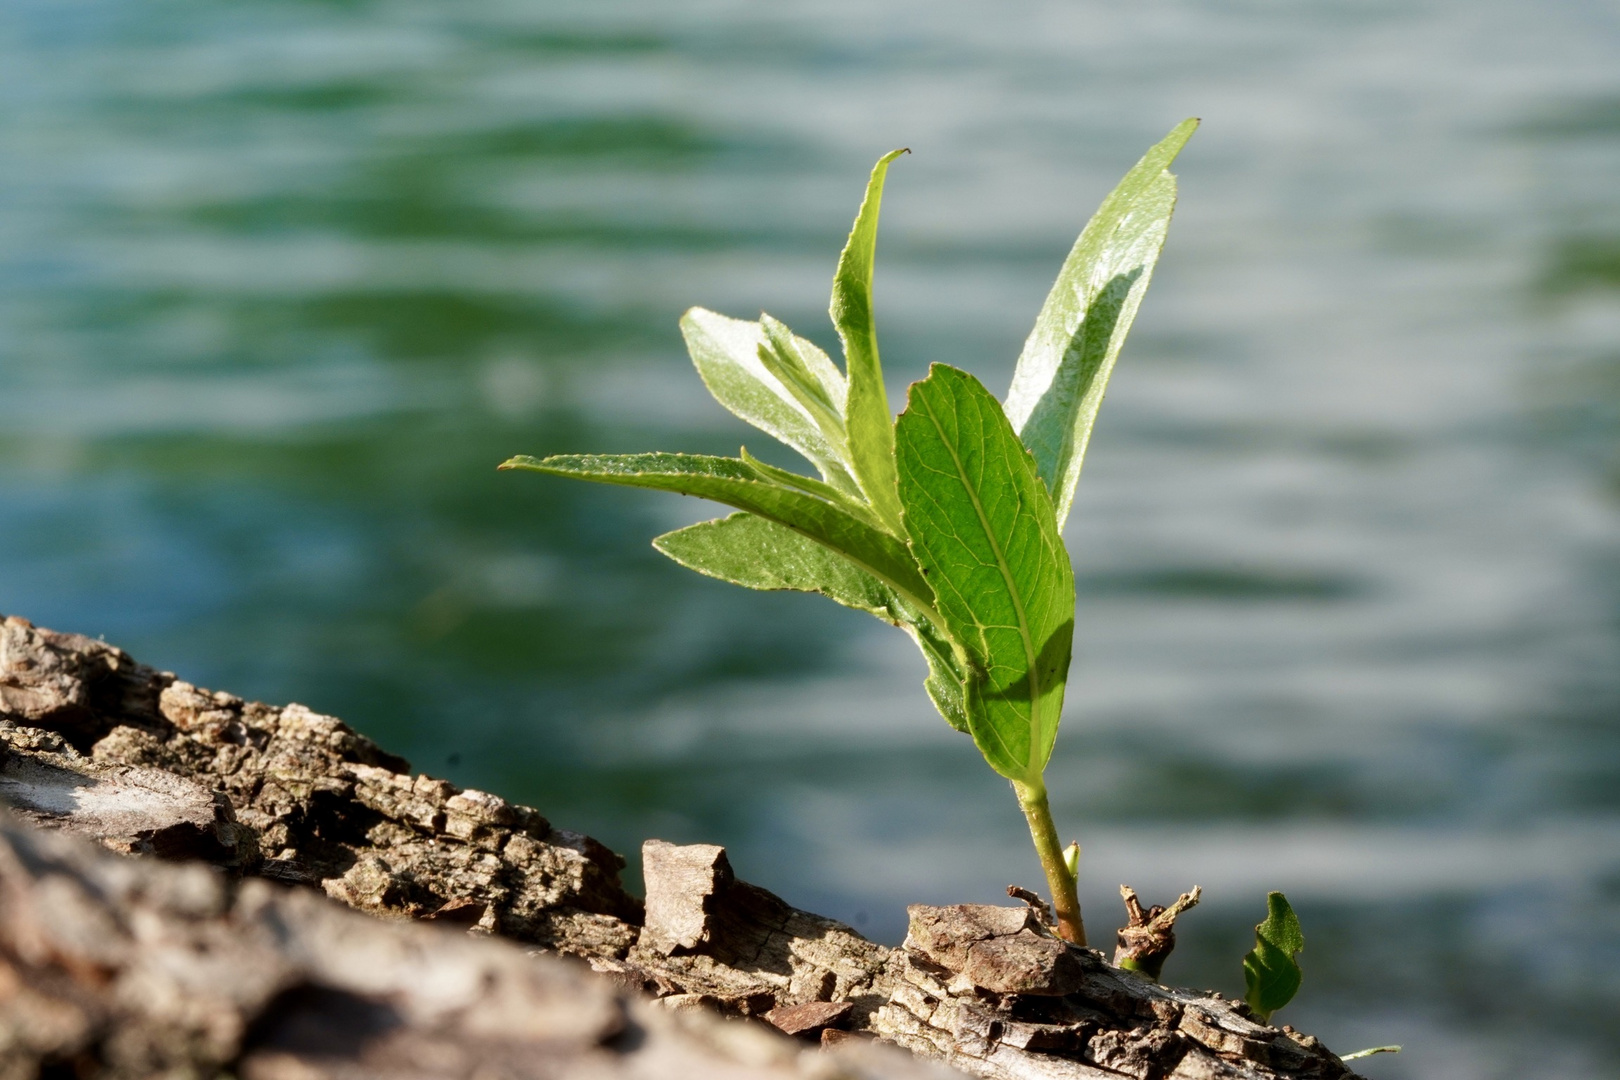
(1271, 975)
(946, 522)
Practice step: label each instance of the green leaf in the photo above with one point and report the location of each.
(981, 527)
(852, 504)
(1370, 1051)
(871, 434)
(807, 372)
(750, 551)
(755, 553)
(826, 520)
(1270, 974)
(726, 353)
(945, 677)
(1058, 385)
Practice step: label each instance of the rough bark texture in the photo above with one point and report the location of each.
(991, 990)
(742, 949)
(306, 799)
(283, 793)
(116, 968)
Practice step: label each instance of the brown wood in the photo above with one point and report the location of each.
(120, 968)
(283, 793)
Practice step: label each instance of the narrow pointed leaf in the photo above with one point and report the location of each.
(867, 418)
(1270, 974)
(981, 526)
(812, 372)
(750, 551)
(789, 360)
(851, 504)
(726, 354)
(1058, 385)
(737, 483)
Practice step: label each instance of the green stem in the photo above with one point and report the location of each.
(1065, 898)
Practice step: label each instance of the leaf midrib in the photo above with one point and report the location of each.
(1006, 577)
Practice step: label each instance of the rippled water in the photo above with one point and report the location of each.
(280, 282)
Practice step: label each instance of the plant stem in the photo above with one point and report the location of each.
(1065, 898)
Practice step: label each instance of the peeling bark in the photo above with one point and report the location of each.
(286, 794)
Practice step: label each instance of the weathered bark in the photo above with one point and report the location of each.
(741, 948)
(117, 969)
(304, 799)
(991, 990)
(321, 804)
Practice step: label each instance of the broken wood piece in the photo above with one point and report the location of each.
(1003, 949)
(1148, 938)
(1036, 902)
(810, 1018)
(707, 932)
(684, 882)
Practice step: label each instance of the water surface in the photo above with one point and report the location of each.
(280, 282)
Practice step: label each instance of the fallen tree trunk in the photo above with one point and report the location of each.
(116, 968)
(94, 743)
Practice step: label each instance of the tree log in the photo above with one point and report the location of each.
(118, 968)
(286, 794)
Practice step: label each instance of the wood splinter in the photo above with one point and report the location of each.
(1147, 940)
(1043, 910)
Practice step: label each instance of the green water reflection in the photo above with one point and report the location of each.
(280, 283)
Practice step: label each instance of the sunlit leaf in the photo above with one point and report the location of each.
(1058, 385)
(807, 372)
(726, 354)
(981, 525)
(850, 503)
(738, 483)
(947, 522)
(750, 551)
(871, 434)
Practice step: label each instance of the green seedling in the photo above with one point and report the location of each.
(946, 522)
(1270, 973)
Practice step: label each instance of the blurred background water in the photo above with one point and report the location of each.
(281, 281)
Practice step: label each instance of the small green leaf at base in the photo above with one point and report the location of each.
(1370, 1051)
(1270, 974)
